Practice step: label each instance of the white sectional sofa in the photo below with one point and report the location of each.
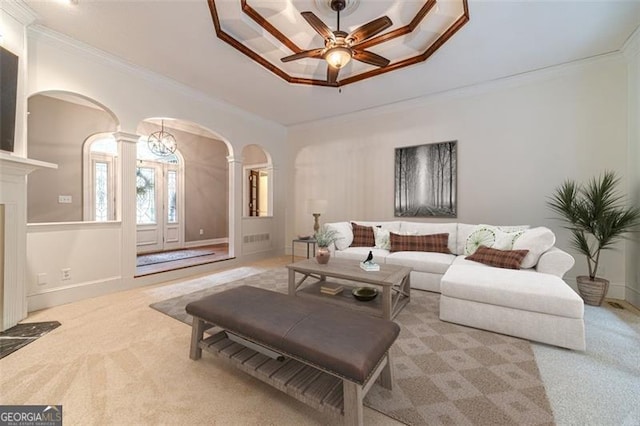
(532, 303)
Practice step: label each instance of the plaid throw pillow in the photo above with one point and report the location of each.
(362, 236)
(508, 259)
(435, 243)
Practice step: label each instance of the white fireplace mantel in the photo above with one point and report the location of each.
(13, 196)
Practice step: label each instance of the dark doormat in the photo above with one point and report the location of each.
(22, 334)
(169, 256)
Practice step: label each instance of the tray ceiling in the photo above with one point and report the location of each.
(268, 30)
(502, 38)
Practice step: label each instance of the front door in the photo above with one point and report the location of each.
(159, 225)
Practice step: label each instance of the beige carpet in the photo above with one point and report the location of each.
(444, 373)
(114, 361)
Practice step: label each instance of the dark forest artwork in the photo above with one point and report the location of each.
(425, 180)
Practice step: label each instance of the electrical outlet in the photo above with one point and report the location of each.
(65, 199)
(66, 274)
(42, 278)
(202, 232)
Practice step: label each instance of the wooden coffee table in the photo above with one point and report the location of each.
(393, 280)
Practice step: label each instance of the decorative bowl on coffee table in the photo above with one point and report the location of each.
(364, 294)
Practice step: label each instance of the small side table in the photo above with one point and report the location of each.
(309, 242)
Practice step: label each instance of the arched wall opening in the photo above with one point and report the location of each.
(58, 125)
(202, 185)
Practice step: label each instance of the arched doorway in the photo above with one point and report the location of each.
(182, 198)
(159, 200)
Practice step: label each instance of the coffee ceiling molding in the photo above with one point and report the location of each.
(268, 30)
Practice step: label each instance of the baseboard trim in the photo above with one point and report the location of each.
(210, 242)
(76, 292)
(632, 296)
(73, 293)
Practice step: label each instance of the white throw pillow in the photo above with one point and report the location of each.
(497, 237)
(537, 241)
(344, 234)
(382, 238)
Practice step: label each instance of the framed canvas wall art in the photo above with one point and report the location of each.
(426, 180)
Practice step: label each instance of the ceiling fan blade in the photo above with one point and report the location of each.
(313, 53)
(318, 25)
(369, 29)
(332, 74)
(370, 58)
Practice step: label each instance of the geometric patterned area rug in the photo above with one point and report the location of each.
(168, 256)
(443, 373)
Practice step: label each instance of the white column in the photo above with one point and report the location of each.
(235, 204)
(126, 208)
(276, 206)
(13, 195)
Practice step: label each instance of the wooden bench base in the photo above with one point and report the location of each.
(311, 385)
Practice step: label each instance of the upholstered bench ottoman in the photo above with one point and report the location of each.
(323, 355)
(521, 303)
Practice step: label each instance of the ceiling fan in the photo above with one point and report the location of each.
(340, 47)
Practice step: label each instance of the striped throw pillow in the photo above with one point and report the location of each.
(362, 236)
(508, 259)
(434, 243)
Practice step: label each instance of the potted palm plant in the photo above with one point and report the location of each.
(324, 237)
(597, 217)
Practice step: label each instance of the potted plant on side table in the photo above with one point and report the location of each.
(597, 217)
(324, 237)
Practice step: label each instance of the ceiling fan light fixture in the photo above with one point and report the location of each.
(338, 57)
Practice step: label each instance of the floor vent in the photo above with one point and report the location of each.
(256, 238)
(616, 305)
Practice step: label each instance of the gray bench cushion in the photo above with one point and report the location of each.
(344, 342)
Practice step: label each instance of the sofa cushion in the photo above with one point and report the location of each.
(498, 237)
(362, 236)
(361, 253)
(393, 226)
(344, 234)
(509, 259)
(422, 261)
(524, 289)
(432, 243)
(463, 232)
(426, 228)
(537, 241)
(382, 237)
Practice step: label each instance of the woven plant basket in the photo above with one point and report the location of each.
(592, 291)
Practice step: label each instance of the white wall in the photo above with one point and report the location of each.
(632, 53)
(518, 139)
(90, 250)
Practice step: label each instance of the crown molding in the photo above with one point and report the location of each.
(631, 47)
(19, 10)
(506, 82)
(61, 41)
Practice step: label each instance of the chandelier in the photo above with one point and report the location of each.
(162, 143)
